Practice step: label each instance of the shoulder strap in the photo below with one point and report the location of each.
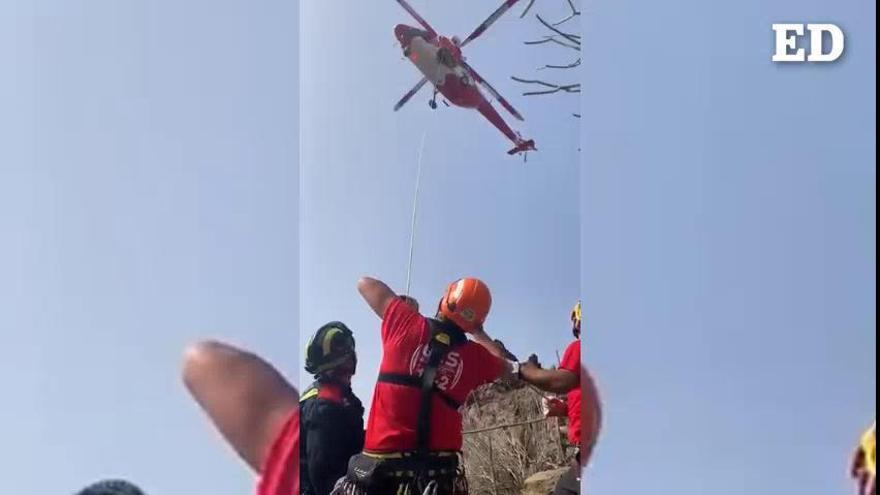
(444, 338)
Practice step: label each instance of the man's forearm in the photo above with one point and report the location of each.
(484, 340)
(554, 381)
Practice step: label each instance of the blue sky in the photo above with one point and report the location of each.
(482, 213)
(148, 197)
(728, 247)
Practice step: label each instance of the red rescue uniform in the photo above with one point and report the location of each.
(571, 361)
(280, 474)
(392, 424)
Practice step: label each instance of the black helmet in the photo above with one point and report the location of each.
(111, 487)
(331, 346)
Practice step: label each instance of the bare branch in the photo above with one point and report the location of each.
(553, 88)
(534, 81)
(561, 38)
(574, 12)
(570, 37)
(566, 89)
(528, 8)
(553, 39)
(572, 65)
(563, 21)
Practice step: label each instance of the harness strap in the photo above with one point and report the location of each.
(409, 455)
(423, 428)
(444, 337)
(416, 382)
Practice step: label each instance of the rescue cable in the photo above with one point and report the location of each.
(412, 232)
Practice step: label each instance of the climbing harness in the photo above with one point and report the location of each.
(444, 338)
(420, 472)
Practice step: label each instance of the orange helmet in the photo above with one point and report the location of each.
(466, 303)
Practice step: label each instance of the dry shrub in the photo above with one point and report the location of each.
(500, 460)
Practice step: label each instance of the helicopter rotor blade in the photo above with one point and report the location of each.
(488, 22)
(410, 94)
(407, 7)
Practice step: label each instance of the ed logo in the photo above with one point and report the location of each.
(787, 36)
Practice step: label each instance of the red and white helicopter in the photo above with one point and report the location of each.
(440, 61)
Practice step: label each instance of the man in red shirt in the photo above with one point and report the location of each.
(570, 378)
(254, 408)
(429, 367)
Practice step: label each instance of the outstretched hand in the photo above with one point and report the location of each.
(533, 359)
(555, 408)
(530, 365)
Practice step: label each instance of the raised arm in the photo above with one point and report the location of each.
(481, 337)
(505, 363)
(376, 294)
(555, 381)
(243, 395)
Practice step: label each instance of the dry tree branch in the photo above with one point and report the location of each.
(570, 37)
(569, 66)
(553, 39)
(574, 88)
(563, 21)
(528, 8)
(574, 13)
(553, 88)
(561, 38)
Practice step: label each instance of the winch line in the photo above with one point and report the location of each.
(415, 211)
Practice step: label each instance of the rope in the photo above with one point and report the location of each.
(501, 427)
(412, 232)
